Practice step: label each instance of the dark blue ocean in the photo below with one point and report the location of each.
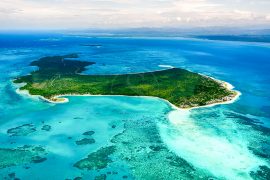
(229, 141)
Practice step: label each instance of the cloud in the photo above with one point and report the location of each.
(131, 13)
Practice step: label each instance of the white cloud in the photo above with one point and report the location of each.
(131, 13)
(267, 17)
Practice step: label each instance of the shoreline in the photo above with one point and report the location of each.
(61, 98)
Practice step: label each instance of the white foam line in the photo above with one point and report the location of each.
(165, 66)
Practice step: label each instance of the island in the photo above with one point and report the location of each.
(256, 38)
(58, 76)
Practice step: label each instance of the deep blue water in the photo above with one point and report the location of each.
(220, 141)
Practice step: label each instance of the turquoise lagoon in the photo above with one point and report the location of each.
(151, 139)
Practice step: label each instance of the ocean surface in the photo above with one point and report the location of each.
(222, 142)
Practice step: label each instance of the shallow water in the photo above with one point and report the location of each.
(225, 141)
(221, 148)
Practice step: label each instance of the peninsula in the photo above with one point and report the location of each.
(61, 75)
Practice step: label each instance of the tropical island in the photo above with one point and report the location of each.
(61, 75)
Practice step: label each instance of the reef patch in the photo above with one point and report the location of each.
(21, 155)
(46, 128)
(22, 130)
(96, 160)
(85, 141)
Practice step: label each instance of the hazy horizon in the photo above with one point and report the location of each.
(119, 14)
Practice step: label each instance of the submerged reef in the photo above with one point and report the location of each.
(262, 173)
(58, 75)
(142, 150)
(85, 141)
(22, 130)
(96, 160)
(141, 142)
(21, 155)
(101, 177)
(88, 140)
(89, 133)
(46, 127)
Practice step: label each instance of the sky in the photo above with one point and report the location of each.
(76, 14)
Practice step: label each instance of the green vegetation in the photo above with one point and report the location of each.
(59, 75)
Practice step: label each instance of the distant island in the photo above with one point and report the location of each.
(243, 38)
(60, 75)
